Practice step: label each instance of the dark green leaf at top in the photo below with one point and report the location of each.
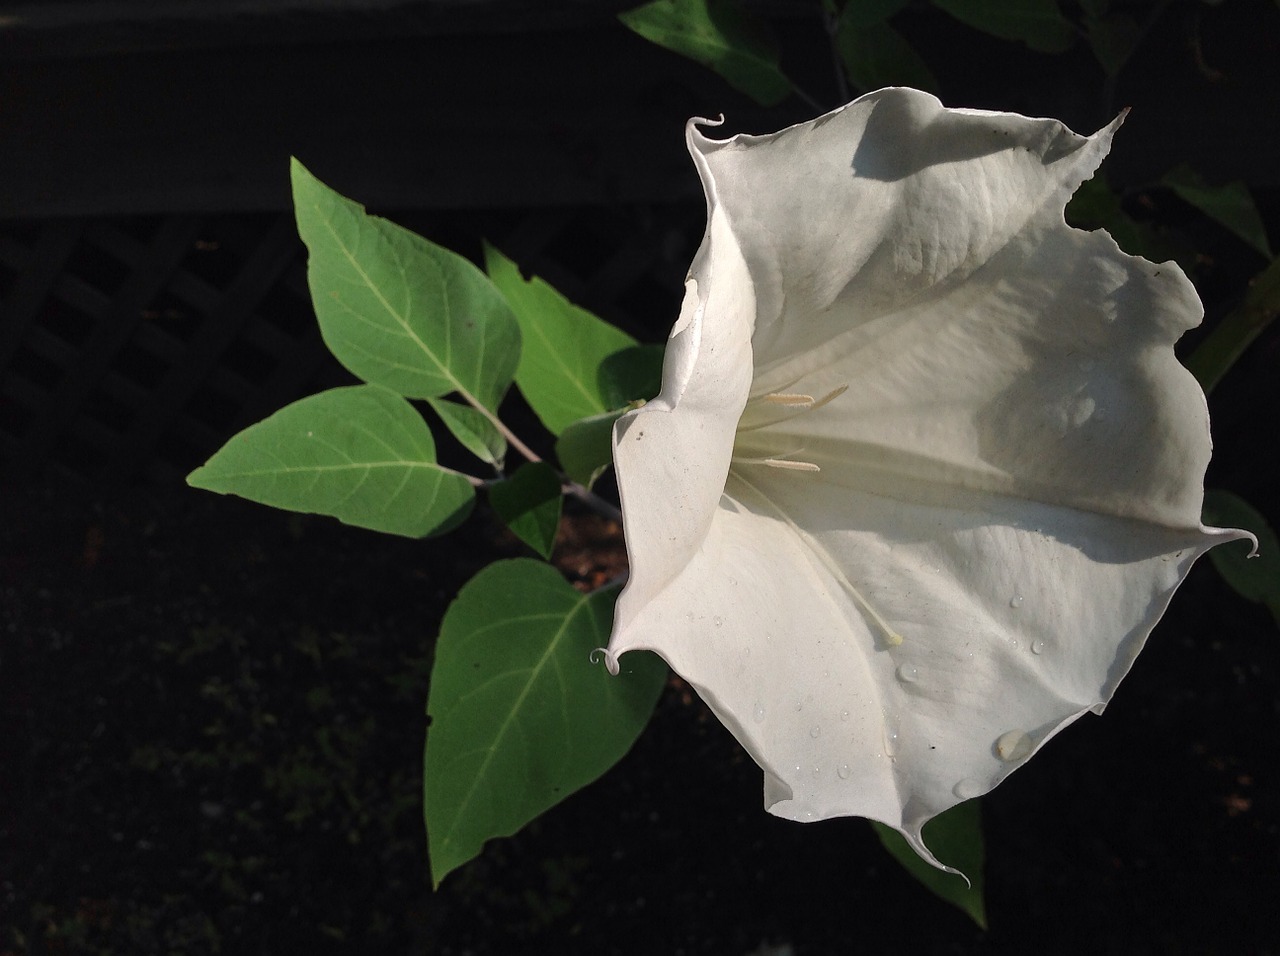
(875, 55)
(1037, 23)
(719, 34)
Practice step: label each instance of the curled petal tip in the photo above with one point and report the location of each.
(610, 659)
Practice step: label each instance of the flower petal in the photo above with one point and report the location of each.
(894, 593)
(672, 455)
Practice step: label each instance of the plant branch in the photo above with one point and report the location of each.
(600, 506)
(830, 22)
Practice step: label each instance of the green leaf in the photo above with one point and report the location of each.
(718, 34)
(529, 504)
(361, 454)
(1257, 578)
(1228, 340)
(1037, 23)
(585, 448)
(1229, 205)
(564, 345)
(476, 432)
(866, 13)
(875, 55)
(398, 310)
(520, 716)
(1113, 38)
(955, 837)
(633, 374)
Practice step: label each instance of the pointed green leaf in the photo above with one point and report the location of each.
(1229, 205)
(1257, 578)
(955, 837)
(361, 454)
(718, 34)
(1037, 23)
(520, 716)
(875, 55)
(398, 310)
(563, 347)
(476, 433)
(529, 504)
(585, 448)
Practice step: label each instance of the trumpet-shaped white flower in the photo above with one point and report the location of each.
(924, 471)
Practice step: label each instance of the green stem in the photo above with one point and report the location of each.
(1214, 357)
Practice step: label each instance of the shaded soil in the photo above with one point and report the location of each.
(213, 718)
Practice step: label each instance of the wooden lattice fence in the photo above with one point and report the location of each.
(133, 347)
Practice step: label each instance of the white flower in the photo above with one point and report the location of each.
(924, 471)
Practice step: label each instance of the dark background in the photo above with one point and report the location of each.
(211, 713)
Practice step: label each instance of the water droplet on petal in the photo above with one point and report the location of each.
(817, 771)
(1037, 646)
(1015, 601)
(717, 620)
(843, 771)
(758, 714)
(815, 731)
(890, 736)
(844, 715)
(799, 706)
(907, 673)
(1013, 745)
(967, 789)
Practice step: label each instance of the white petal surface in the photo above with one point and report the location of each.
(894, 594)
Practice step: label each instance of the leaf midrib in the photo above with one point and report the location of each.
(403, 322)
(494, 747)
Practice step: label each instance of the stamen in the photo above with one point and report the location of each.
(775, 461)
(830, 396)
(790, 465)
(789, 398)
(764, 411)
